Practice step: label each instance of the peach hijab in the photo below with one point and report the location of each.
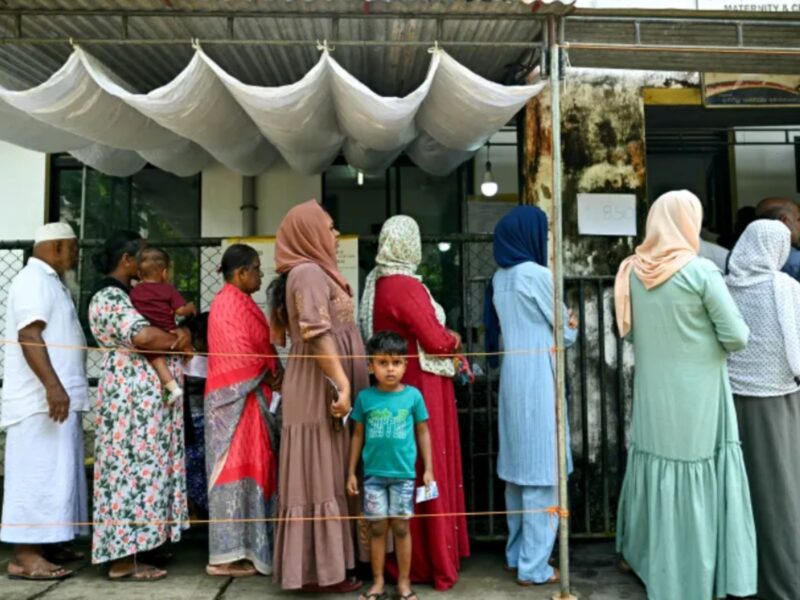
(671, 241)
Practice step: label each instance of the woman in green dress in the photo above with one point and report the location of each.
(685, 522)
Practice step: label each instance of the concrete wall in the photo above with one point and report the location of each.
(23, 191)
(220, 202)
(277, 190)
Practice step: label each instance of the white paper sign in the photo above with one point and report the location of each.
(607, 214)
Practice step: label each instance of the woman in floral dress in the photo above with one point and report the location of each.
(139, 472)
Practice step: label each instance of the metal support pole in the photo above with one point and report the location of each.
(82, 232)
(558, 314)
(249, 206)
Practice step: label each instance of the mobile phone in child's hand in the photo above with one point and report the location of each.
(427, 492)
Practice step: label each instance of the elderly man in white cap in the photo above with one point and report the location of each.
(44, 392)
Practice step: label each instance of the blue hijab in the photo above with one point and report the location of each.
(520, 236)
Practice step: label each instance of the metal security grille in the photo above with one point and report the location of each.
(599, 374)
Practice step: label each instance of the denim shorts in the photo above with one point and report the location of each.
(388, 497)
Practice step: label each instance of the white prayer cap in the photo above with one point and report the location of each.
(53, 231)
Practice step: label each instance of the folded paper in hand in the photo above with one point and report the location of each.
(429, 492)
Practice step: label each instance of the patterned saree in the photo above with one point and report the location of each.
(241, 433)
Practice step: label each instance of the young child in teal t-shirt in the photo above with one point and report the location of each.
(390, 421)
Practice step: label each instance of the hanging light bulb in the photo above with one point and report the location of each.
(489, 186)
(360, 178)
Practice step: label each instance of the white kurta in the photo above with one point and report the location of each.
(45, 481)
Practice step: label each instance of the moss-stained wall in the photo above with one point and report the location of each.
(602, 149)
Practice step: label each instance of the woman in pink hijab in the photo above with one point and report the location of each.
(312, 303)
(685, 523)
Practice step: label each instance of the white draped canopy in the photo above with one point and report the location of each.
(206, 115)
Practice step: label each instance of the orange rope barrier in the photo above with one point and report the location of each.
(523, 352)
(552, 510)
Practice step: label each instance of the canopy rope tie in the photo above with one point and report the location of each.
(323, 46)
(435, 48)
(196, 43)
(72, 44)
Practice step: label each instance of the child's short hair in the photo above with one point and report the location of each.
(152, 260)
(387, 343)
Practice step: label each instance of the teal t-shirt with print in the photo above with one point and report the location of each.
(389, 419)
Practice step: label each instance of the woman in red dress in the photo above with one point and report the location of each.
(395, 299)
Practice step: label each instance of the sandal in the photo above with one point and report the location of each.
(374, 596)
(17, 572)
(411, 594)
(140, 574)
(234, 570)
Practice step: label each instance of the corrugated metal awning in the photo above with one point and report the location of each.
(382, 43)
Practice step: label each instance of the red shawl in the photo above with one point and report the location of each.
(238, 340)
(238, 337)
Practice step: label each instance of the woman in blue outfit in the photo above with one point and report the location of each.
(519, 307)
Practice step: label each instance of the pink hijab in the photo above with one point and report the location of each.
(672, 240)
(304, 236)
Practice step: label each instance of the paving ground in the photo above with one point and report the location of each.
(595, 577)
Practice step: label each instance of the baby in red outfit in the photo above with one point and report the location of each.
(160, 302)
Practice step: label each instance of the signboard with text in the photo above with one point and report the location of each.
(741, 90)
(757, 6)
